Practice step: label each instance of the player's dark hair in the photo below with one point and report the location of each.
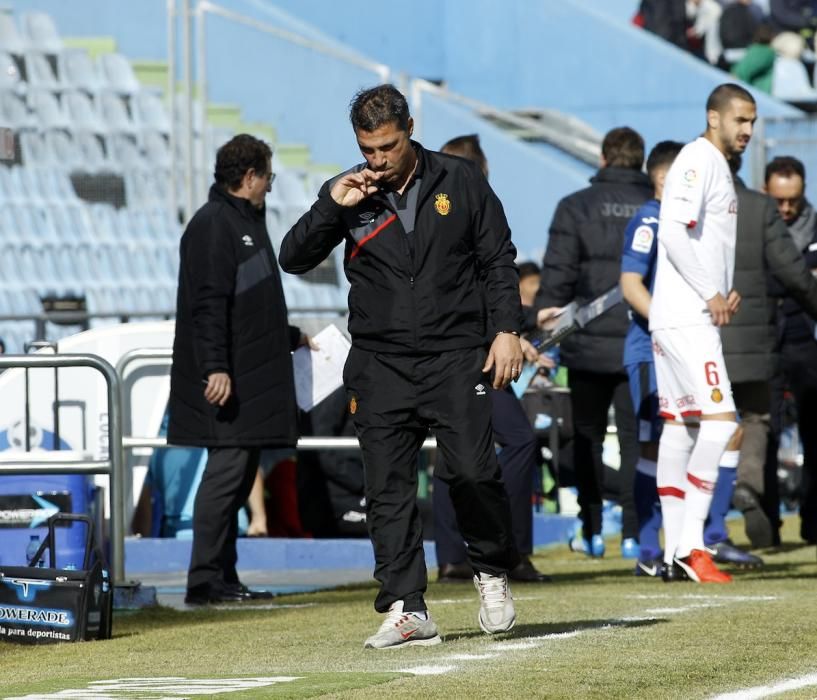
(528, 269)
(375, 107)
(468, 147)
(237, 156)
(662, 155)
(785, 166)
(623, 147)
(722, 95)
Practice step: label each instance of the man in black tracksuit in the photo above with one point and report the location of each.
(431, 266)
(582, 261)
(231, 384)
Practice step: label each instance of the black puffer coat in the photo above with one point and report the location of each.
(583, 260)
(231, 317)
(767, 264)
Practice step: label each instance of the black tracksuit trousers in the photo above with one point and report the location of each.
(395, 400)
(591, 394)
(518, 459)
(224, 489)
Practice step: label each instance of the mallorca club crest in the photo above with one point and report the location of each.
(442, 204)
(717, 395)
(353, 405)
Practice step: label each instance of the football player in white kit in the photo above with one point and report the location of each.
(692, 298)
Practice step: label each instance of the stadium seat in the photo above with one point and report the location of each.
(150, 113)
(40, 32)
(47, 109)
(14, 113)
(157, 148)
(126, 153)
(10, 78)
(118, 73)
(93, 157)
(83, 112)
(33, 150)
(40, 71)
(790, 81)
(11, 38)
(77, 70)
(115, 113)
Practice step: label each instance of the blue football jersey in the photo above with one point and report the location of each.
(639, 255)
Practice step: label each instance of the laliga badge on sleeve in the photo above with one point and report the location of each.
(353, 405)
(442, 204)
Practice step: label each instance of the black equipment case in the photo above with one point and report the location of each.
(46, 605)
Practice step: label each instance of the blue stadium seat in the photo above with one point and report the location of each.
(40, 72)
(41, 32)
(118, 73)
(10, 77)
(47, 109)
(14, 112)
(11, 38)
(78, 70)
(83, 112)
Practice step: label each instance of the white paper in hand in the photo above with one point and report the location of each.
(320, 372)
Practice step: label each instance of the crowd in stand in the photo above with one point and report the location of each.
(762, 42)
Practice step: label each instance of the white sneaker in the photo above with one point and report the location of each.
(496, 613)
(403, 630)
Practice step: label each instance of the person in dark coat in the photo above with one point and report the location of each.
(785, 182)
(231, 383)
(767, 267)
(581, 262)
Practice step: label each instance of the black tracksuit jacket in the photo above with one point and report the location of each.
(458, 287)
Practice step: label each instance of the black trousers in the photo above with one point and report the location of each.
(800, 366)
(518, 462)
(224, 489)
(395, 400)
(591, 394)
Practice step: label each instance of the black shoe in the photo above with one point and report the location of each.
(207, 595)
(653, 567)
(454, 573)
(671, 573)
(249, 593)
(758, 528)
(727, 553)
(526, 572)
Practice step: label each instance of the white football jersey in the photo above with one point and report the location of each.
(699, 193)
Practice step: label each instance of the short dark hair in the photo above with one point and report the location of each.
(662, 155)
(529, 269)
(623, 147)
(722, 95)
(237, 156)
(785, 166)
(467, 147)
(375, 107)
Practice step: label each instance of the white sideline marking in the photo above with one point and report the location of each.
(260, 606)
(703, 596)
(168, 688)
(764, 691)
(428, 670)
(469, 657)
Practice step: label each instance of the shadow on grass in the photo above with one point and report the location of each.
(554, 629)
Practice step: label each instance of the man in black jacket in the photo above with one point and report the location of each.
(767, 266)
(431, 267)
(785, 182)
(582, 261)
(231, 384)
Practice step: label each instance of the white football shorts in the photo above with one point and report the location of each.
(690, 373)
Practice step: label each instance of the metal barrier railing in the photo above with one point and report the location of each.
(114, 466)
(165, 355)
